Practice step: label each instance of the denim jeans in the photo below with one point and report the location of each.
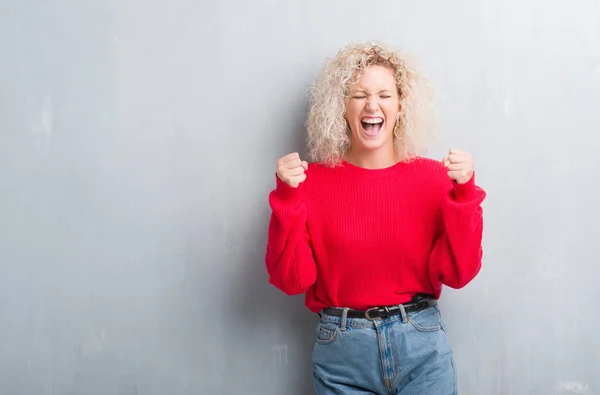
(407, 354)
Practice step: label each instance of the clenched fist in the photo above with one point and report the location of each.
(459, 165)
(290, 169)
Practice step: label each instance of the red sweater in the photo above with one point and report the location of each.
(359, 238)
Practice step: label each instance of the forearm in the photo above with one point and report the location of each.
(457, 254)
(289, 257)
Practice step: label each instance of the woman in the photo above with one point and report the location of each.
(370, 231)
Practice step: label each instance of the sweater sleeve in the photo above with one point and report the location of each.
(289, 256)
(457, 253)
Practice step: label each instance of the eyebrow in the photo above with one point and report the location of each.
(381, 91)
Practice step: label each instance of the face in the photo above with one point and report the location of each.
(371, 110)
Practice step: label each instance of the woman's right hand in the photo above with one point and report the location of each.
(290, 169)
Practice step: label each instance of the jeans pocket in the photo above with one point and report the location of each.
(428, 320)
(326, 332)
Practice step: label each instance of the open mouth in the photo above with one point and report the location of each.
(372, 126)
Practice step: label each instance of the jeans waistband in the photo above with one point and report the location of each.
(344, 321)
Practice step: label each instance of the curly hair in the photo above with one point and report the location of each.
(328, 131)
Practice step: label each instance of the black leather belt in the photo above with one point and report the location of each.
(383, 312)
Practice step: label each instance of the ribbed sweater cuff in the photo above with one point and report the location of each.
(286, 193)
(465, 192)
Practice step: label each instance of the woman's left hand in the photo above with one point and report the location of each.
(459, 165)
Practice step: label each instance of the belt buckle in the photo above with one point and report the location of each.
(367, 316)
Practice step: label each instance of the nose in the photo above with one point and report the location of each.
(372, 103)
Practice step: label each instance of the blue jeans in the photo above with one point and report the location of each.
(407, 354)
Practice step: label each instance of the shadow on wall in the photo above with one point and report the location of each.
(277, 331)
(275, 319)
(282, 322)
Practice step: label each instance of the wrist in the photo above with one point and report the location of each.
(466, 190)
(286, 192)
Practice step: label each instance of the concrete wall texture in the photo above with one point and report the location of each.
(138, 143)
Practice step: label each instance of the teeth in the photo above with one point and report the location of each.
(372, 120)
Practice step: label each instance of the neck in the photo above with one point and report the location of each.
(376, 159)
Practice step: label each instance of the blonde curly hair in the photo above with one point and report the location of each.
(328, 131)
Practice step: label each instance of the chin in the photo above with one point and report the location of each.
(371, 144)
